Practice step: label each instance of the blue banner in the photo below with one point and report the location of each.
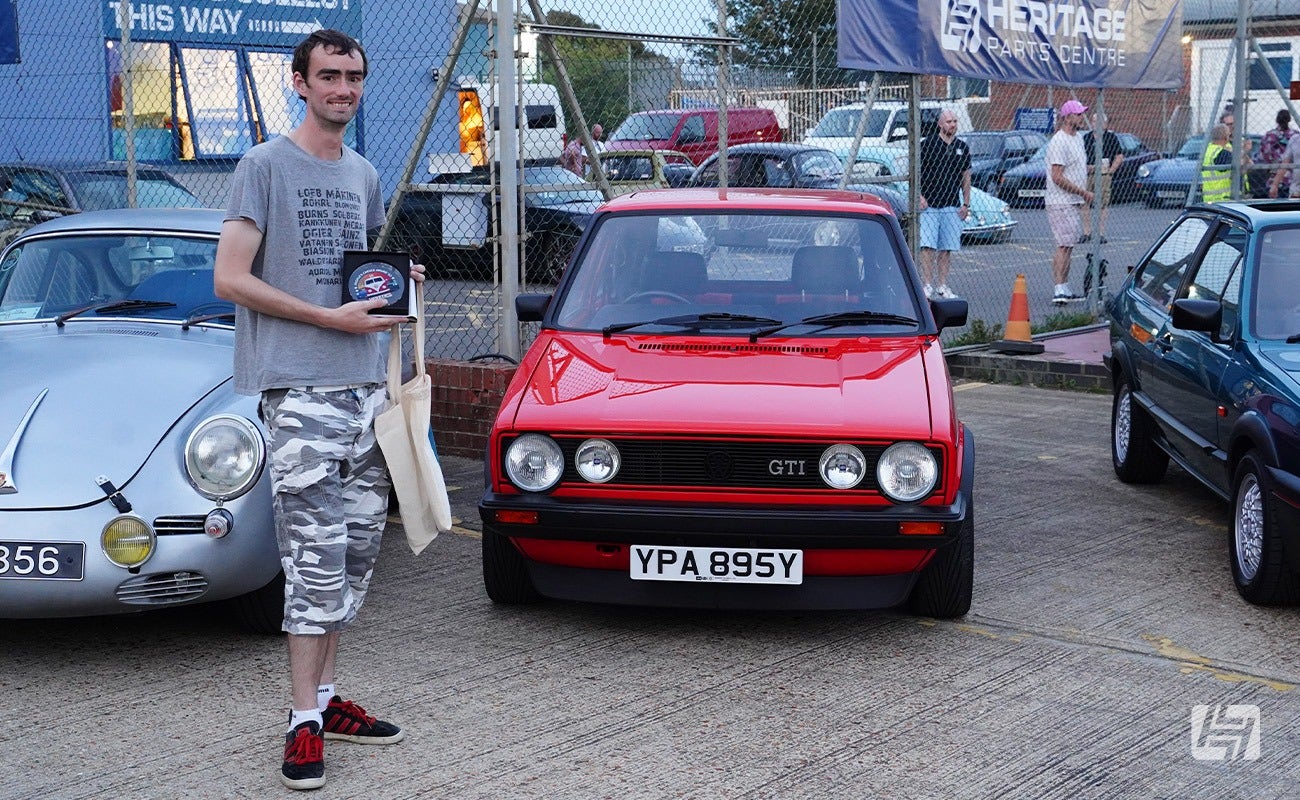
(1095, 43)
(277, 23)
(9, 32)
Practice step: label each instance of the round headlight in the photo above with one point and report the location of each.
(534, 462)
(842, 466)
(906, 472)
(1144, 171)
(597, 460)
(127, 541)
(224, 456)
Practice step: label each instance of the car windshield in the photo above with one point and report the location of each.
(550, 182)
(841, 122)
(97, 191)
(47, 276)
(982, 146)
(738, 273)
(1192, 147)
(1277, 284)
(644, 127)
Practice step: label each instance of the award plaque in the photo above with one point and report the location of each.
(368, 275)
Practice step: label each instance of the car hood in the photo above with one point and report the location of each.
(1029, 169)
(809, 387)
(1165, 168)
(112, 391)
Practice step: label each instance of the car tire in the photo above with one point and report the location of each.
(1133, 450)
(262, 610)
(945, 586)
(505, 573)
(555, 251)
(1256, 548)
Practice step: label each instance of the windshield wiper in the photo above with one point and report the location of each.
(1293, 338)
(709, 320)
(114, 306)
(840, 319)
(195, 319)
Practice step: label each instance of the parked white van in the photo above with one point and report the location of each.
(541, 120)
(886, 124)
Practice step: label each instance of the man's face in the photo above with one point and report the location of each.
(948, 124)
(332, 86)
(1229, 121)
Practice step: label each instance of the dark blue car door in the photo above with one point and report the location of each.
(1187, 377)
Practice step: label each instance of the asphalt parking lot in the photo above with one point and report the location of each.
(1103, 616)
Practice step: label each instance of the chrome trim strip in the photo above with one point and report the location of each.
(7, 457)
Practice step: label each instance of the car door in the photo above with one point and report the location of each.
(1187, 379)
(1156, 283)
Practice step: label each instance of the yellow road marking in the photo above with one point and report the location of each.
(961, 387)
(1191, 662)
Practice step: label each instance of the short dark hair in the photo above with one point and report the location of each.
(333, 41)
(1283, 118)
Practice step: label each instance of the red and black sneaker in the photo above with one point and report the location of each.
(349, 722)
(304, 758)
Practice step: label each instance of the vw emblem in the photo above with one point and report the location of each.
(718, 464)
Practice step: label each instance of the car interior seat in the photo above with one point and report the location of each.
(679, 272)
(825, 271)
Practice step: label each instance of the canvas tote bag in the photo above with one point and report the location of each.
(403, 434)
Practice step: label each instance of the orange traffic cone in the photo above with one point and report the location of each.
(1016, 337)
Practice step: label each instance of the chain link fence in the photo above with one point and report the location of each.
(611, 99)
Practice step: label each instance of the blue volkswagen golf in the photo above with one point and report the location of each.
(1205, 362)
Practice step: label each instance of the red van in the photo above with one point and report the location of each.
(693, 131)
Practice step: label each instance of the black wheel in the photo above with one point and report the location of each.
(1133, 450)
(262, 610)
(553, 256)
(1257, 550)
(505, 574)
(945, 586)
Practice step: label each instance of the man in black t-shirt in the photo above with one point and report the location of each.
(944, 202)
(1112, 155)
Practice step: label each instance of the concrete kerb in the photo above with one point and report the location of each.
(1074, 363)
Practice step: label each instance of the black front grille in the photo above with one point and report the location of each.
(725, 464)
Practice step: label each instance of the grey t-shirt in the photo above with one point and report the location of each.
(309, 211)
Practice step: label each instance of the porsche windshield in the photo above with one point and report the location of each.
(49, 276)
(711, 272)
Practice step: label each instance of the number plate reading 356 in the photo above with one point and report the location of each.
(51, 561)
(726, 564)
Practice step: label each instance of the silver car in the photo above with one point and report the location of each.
(132, 477)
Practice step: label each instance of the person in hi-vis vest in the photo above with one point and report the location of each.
(1216, 167)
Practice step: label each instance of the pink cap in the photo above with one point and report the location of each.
(1073, 107)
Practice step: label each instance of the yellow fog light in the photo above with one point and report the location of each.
(127, 541)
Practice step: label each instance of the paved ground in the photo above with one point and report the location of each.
(1103, 614)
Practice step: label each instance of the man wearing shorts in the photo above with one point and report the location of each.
(296, 203)
(945, 181)
(1067, 193)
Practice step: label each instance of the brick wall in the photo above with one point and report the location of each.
(466, 396)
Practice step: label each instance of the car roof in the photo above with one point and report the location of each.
(774, 148)
(180, 220)
(1256, 213)
(825, 200)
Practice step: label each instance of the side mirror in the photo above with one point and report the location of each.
(899, 132)
(949, 313)
(531, 307)
(1198, 315)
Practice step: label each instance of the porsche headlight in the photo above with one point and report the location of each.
(223, 456)
(597, 460)
(906, 472)
(534, 462)
(842, 466)
(127, 541)
(1144, 171)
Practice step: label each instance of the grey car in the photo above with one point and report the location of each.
(132, 477)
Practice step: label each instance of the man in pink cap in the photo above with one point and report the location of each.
(1067, 194)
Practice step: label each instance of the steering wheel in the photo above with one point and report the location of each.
(653, 293)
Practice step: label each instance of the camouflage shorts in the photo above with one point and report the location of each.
(330, 489)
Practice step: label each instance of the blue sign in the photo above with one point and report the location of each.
(1036, 119)
(9, 32)
(1098, 43)
(277, 23)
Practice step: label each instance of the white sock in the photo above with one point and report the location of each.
(1062, 288)
(323, 694)
(297, 718)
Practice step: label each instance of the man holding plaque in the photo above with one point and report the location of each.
(297, 202)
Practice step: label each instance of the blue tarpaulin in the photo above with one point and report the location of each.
(9, 32)
(1096, 43)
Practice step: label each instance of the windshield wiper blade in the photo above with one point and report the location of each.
(839, 319)
(693, 321)
(195, 319)
(114, 306)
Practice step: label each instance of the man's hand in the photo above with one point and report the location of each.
(355, 317)
(921, 204)
(418, 272)
(1087, 196)
(963, 212)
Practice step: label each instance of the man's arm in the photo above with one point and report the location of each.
(233, 280)
(1058, 178)
(964, 211)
